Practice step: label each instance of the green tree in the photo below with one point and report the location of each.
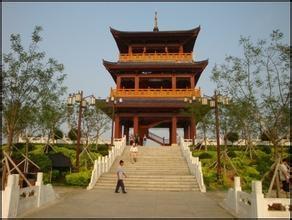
(52, 114)
(94, 121)
(232, 137)
(205, 126)
(264, 137)
(72, 134)
(258, 83)
(58, 134)
(28, 80)
(197, 111)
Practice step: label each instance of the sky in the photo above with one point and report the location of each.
(77, 34)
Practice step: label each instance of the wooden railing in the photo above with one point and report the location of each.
(149, 57)
(155, 93)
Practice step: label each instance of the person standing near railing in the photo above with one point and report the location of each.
(144, 140)
(285, 176)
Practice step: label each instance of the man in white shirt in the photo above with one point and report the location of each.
(120, 174)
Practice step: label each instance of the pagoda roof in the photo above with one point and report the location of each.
(115, 68)
(187, 38)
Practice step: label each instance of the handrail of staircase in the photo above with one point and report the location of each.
(158, 138)
(155, 136)
(194, 164)
(104, 163)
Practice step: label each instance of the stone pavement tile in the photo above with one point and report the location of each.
(134, 204)
(166, 210)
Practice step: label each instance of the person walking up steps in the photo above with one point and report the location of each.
(120, 174)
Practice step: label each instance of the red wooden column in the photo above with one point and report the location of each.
(192, 82)
(130, 50)
(136, 82)
(193, 128)
(189, 132)
(117, 127)
(173, 82)
(119, 82)
(136, 124)
(173, 130)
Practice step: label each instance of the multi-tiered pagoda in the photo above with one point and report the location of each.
(154, 76)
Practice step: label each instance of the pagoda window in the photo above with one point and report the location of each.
(138, 50)
(155, 83)
(183, 83)
(155, 50)
(173, 49)
(127, 83)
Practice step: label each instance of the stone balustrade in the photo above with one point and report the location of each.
(103, 164)
(254, 205)
(16, 201)
(194, 164)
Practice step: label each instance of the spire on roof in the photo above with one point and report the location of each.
(155, 23)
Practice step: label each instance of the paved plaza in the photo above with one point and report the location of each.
(105, 203)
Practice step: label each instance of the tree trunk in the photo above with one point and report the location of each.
(97, 137)
(205, 138)
(10, 141)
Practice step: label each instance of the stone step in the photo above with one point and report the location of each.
(154, 168)
(172, 189)
(153, 176)
(157, 168)
(149, 184)
(155, 171)
(158, 173)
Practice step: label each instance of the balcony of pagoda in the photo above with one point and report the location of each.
(153, 57)
(155, 93)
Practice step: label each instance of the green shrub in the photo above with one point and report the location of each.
(231, 154)
(55, 174)
(46, 178)
(67, 152)
(232, 136)
(78, 179)
(265, 148)
(205, 155)
(42, 160)
(104, 152)
(263, 162)
(58, 134)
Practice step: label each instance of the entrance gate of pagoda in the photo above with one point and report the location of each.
(142, 123)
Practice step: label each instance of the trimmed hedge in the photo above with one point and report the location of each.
(205, 155)
(78, 179)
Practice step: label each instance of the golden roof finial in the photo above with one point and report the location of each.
(155, 23)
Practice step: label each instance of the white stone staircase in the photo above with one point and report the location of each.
(157, 168)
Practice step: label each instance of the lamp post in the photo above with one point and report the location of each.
(114, 101)
(82, 102)
(217, 98)
(214, 103)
